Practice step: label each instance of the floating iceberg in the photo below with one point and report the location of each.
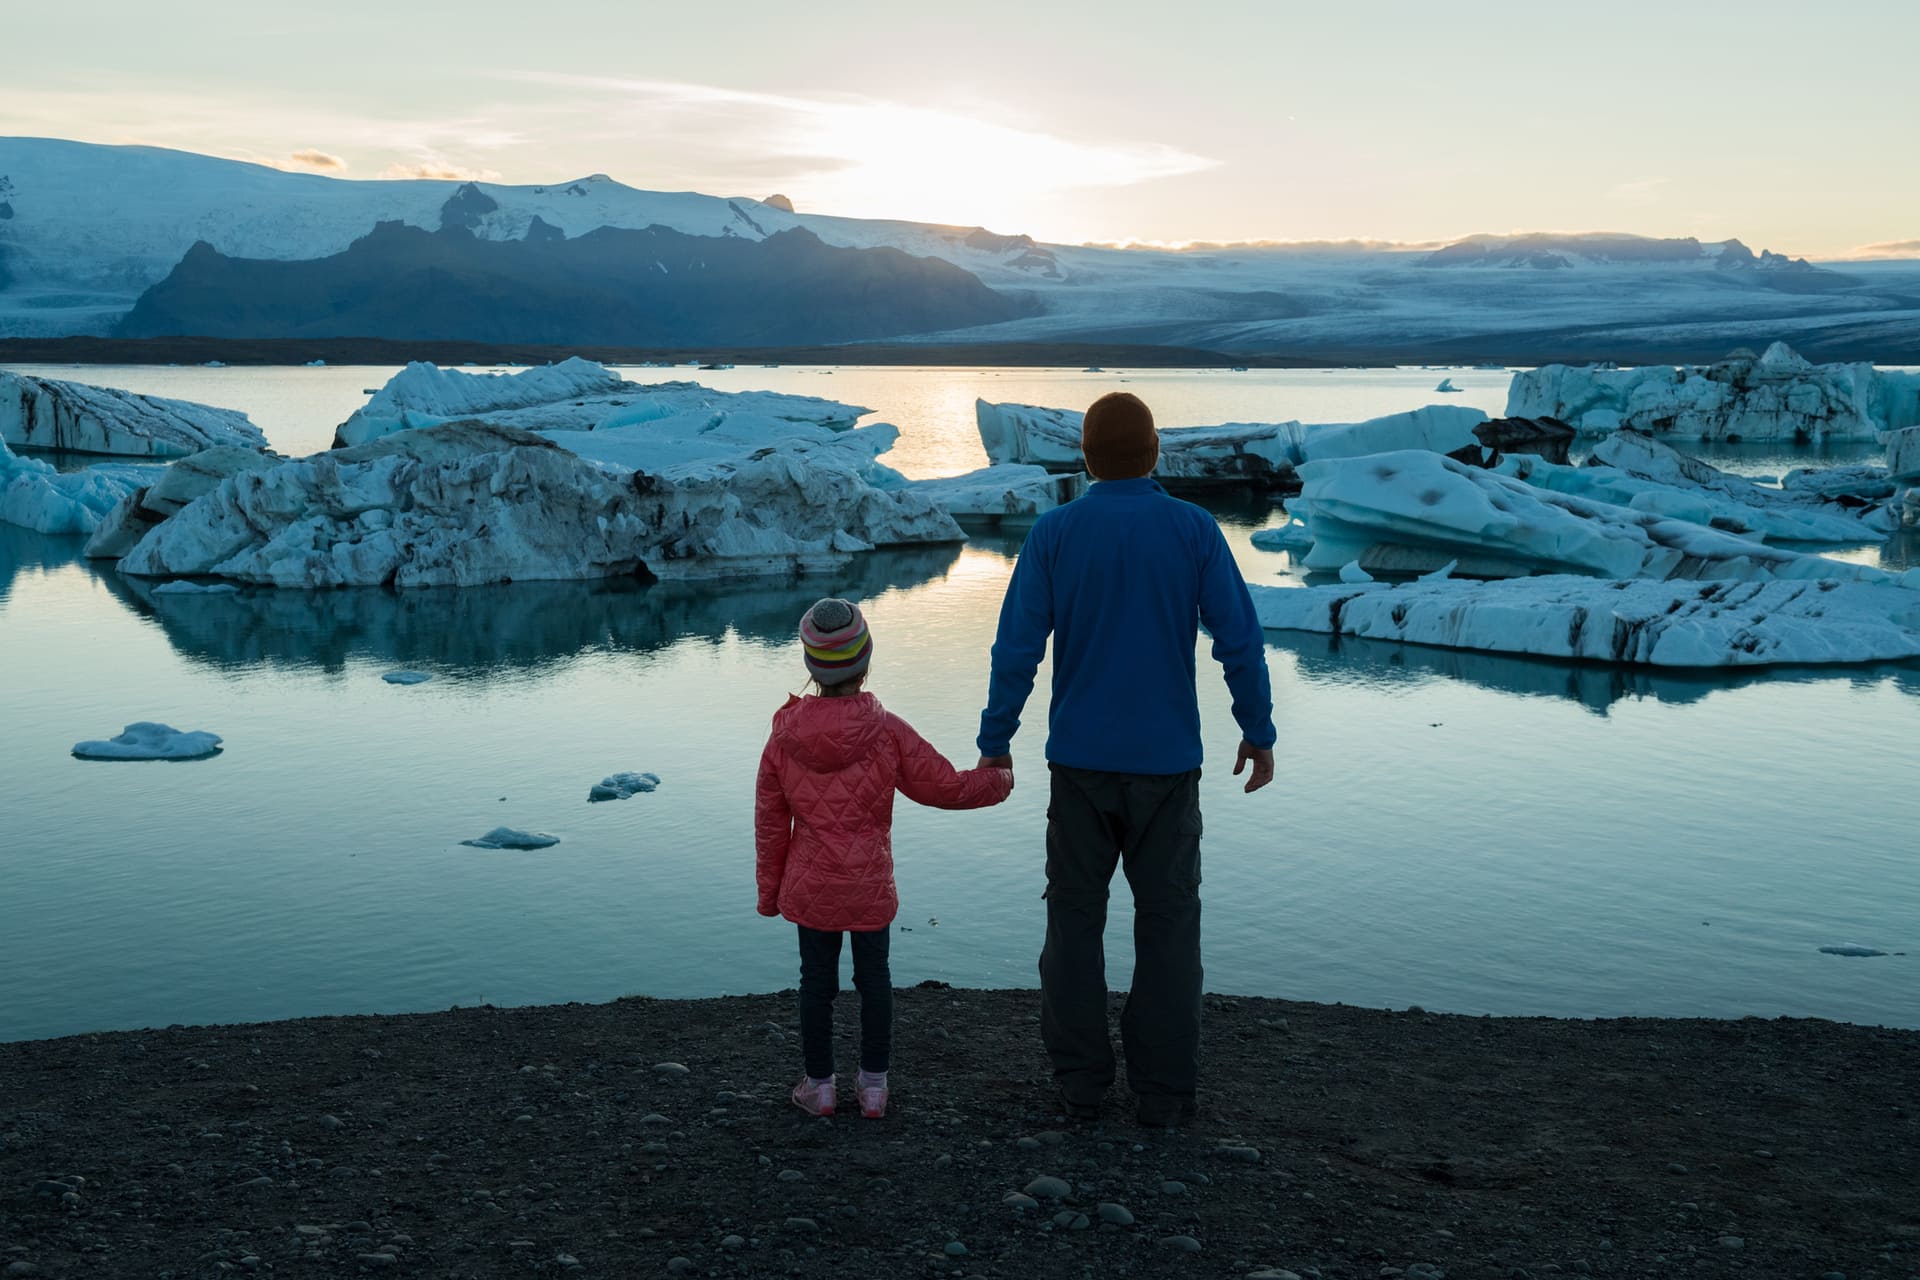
(623, 786)
(512, 838)
(40, 413)
(1008, 495)
(1847, 485)
(1412, 510)
(1851, 949)
(1778, 396)
(181, 587)
(574, 395)
(1446, 385)
(406, 677)
(1635, 471)
(173, 489)
(1259, 454)
(1294, 535)
(1903, 455)
(147, 740)
(1666, 624)
(469, 503)
(35, 496)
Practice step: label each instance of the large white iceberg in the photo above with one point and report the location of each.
(170, 490)
(468, 503)
(34, 495)
(1414, 510)
(1776, 397)
(1667, 624)
(1006, 496)
(1632, 470)
(574, 395)
(1261, 454)
(41, 413)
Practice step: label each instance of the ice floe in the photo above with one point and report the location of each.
(512, 838)
(1446, 385)
(1850, 949)
(406, 677)
(1257, 454)
(1294, 535)
(42, 413)
(148, 740)
(467, 503)
(622, 786)
(1776, 397)
(1008, 495)
(181, 587)
(34, 495)
(1635, 471)
(1667, 624)
(1411, 510)
(574, 395)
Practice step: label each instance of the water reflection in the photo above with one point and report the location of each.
(1345, 660)
(476, 630)
(25, 551)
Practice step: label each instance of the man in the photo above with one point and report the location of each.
(1122, 578)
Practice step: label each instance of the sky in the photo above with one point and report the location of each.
(1786, 126)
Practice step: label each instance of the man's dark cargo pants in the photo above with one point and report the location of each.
(1149, 824)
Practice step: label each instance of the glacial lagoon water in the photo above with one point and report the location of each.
(1452, 830)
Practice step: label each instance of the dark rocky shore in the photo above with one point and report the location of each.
(655, 1138)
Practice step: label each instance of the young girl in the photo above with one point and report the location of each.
(823, 823)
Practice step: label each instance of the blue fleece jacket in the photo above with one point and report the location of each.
(1123, 578)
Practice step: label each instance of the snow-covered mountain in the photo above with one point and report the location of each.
(86, 230)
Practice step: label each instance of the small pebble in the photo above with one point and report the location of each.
(733, 1242)
(1731, 1242)
(332, 1122)
(1182, 1244)
(375, 1259)
(679, 1266)
(802, 1224)
(1049, 1188)
(791, 1175)
(955, 1249)
(670, 1068)
(1246, 1155)
(1015, 1200)
(1118, 1214)
(1171, 1187)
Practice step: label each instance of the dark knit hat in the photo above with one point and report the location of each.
(836, 641)
(1117, 438)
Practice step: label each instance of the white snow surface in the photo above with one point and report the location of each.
(467, 503)
(148, 740)
(1414, 509)
(1007, 495)
(513, 838)
(574, 395)
(1641, 623)
(623, 786)
(35, 496)
(1775, 397)
(44, 413)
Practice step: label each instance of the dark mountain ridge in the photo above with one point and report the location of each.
(612, 286)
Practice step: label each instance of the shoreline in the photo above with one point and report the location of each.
(1332, 1139)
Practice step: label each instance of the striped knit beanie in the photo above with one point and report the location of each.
(837, 642)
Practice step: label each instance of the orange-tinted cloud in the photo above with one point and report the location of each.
(441, 171)
(315, 160)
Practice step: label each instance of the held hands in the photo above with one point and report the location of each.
(1262, 758)
(996, 762)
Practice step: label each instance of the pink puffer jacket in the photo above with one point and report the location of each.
(823, 816)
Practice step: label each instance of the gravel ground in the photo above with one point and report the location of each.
(648, 1137)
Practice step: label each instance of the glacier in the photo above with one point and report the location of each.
(43, 413)
(1641, 623)
(1777, 396)
(1008, 495)
(33, 495)
(1413, 510)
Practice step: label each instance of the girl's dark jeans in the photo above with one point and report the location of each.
(820, 982)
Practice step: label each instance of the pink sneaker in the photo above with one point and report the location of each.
(815, 1097)
(872, 1091)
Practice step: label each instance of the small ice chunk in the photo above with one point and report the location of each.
(1291, 536)
(1446, 384)
(620, 786)
(1850, 949)
(181, 587)
(406, 677)
(146, 740)
(1441, 574)
(1351, 572)
(509, 838)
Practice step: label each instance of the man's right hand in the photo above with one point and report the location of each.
(1262, 758)
(995, 762)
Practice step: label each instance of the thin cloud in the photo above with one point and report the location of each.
(315, 161)
(1888, 249)
(439, 170)
(855, 154)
